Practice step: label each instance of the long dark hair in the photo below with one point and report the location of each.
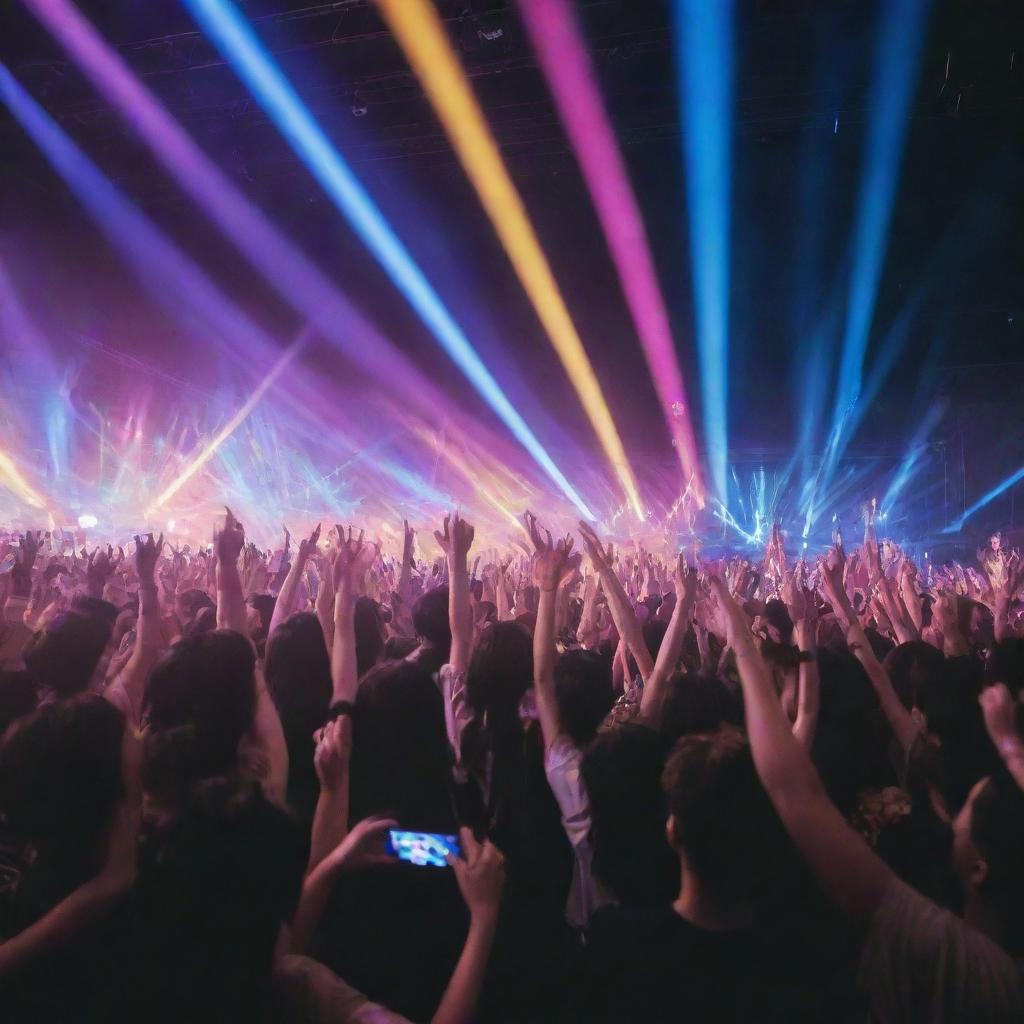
(500, 672)
(298, 674)
(401, 761)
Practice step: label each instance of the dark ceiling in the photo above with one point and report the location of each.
(803, 98)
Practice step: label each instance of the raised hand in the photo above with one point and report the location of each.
(480, 873)
(601, 557)
(228, 543)
(944, 612)
(1000, 711)
(307, 546)
(353, 559)
(798, 599)
(333, 752)
(685, 580)
(552, 561)
(99, 569)
(408, 539)
(456, 539)
(147, 553)
(364, 846)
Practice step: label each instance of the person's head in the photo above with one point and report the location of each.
(499, 674)
(843, 749)
(189, 603)
(298, 672)
(583, 693)
(200, 700)
(912, 667)
(696, 704)
(63, 769)
(977, 623)
(204, 621)
(227, 875)
(776, 621)
(500, 670)
(63, 657)
(988, 851)
(622, 771)
(401, 762)
(430, 620)
(370, 634)
(719, 815)
(262, 608)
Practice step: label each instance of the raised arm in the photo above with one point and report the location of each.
(900, 720)
(481, 877)
(88, 905)
(456, 541)
(349, 563)
(551, 563)
(622, 611)
(331, 759)
(285, 604)
(800, 603)
(847, 870)
(126, 690)
(672, 643)
(1000, 710)
(230, 595)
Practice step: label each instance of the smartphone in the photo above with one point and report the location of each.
(424, 849)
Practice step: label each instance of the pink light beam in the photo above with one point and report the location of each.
(567, 67)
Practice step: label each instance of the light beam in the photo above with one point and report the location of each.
(704, 57)
(567, 66)
(421, 35)
(285, 267)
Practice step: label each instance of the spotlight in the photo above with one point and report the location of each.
(86, 521)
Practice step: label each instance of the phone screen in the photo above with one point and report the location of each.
(424, 849)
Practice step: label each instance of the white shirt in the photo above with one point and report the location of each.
(922, 963)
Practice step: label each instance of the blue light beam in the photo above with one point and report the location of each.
(704, 57)
(912, 460)
(957, 525)
(900, 41)
(233, 36)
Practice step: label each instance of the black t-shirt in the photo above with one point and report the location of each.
(395, 932)
(654, 966)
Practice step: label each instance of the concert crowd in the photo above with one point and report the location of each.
(557, 781)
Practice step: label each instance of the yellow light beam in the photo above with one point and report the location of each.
(230, 427)
(11, 475)
(421, 35)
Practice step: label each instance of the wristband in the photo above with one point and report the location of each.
(808, 658)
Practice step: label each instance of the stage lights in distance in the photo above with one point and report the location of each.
(87, 521)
